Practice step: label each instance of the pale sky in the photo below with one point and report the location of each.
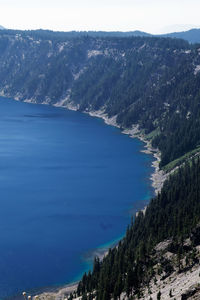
(153, 16)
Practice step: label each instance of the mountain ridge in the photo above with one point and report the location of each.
(192, 35)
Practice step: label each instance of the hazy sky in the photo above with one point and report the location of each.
(154, 16)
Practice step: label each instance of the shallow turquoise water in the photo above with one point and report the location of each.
(68, 185)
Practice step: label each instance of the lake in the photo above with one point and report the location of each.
(68, 187)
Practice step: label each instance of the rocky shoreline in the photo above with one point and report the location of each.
(158, 177)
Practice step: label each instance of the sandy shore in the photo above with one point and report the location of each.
(158, 176)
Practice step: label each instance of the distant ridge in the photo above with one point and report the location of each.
(96, 33)
(114, 33)
(192, 35)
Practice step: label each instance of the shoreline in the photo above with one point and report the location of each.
(158, 176)
(63, 292)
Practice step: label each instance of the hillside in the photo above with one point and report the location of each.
(147, 83)
(142, 259)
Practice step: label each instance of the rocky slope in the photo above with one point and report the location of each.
(176, 276)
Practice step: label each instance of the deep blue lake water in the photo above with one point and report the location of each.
(68, 185)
